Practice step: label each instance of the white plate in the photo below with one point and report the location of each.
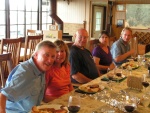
(130, 59)
(55, 106)
(86, 88)
(129, 66)
(122, 75)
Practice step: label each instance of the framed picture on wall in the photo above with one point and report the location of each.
(120, 7)
(120, 23)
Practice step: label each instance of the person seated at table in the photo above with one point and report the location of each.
(58, 80)
(120, 49)
(83, 68)
(26, 83)
(102, 55)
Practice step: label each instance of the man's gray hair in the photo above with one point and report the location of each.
(41, 44)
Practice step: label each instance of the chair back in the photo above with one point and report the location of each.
(30, 44)
(31, 32)
(147, 48)
(5, 63)
(13, 46)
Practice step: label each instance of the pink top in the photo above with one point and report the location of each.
(58, 81)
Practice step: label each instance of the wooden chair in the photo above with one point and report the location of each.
(30, 44)
(5, 62)
(147, 48)
(93, 44)
(31, 32)
(69, 44)
(13, 46)
(111, 41)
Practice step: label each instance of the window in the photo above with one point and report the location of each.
(120, 7)
(19, 15)
(137, 16)
(2, 19)
(98, 21)
(46, 19)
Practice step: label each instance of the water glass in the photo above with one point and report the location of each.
(140, 59)
(145, 100)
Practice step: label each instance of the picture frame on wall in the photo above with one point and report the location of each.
(120, 23)
(121, 7)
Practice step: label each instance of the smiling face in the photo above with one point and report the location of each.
(62, 53)
(126, 34)
(60, 56)
(81, 37)
(44, 58)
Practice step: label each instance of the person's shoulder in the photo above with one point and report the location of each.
(117, 42)
(67, 66)
(87, 50)
(97, 47)
(30, 65)
(73, 48)
(24, 64)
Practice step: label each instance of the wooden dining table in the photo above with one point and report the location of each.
(89, 103)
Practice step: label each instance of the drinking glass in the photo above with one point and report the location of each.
(74, 103)
(145, 100)
(148, 67)
(140, 59)
(118, 72)
(129, 107)
(110, 75)
(145, 83)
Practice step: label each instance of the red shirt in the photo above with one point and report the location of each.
(58, 81)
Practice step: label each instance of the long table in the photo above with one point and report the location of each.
(89, 104)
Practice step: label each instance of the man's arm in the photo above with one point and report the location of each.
(2, 103)
(124, 56)
(81, 78)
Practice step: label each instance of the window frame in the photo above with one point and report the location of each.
(8, 25)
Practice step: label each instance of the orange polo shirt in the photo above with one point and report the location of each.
(58, 81)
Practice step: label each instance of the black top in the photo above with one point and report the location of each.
(81, 61)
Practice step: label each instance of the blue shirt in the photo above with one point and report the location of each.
(119, 48)
(24, 87)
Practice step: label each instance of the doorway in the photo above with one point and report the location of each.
(98, 22)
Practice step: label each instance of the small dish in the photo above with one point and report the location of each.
(54, 107)
(116, 79)
(130, 66)
(90, 89)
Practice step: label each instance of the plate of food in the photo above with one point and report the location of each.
(132, 59)
(130, 65)
(114, 78)
(51, 108)
(90, 89)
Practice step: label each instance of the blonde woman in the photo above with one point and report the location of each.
(58, 80)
